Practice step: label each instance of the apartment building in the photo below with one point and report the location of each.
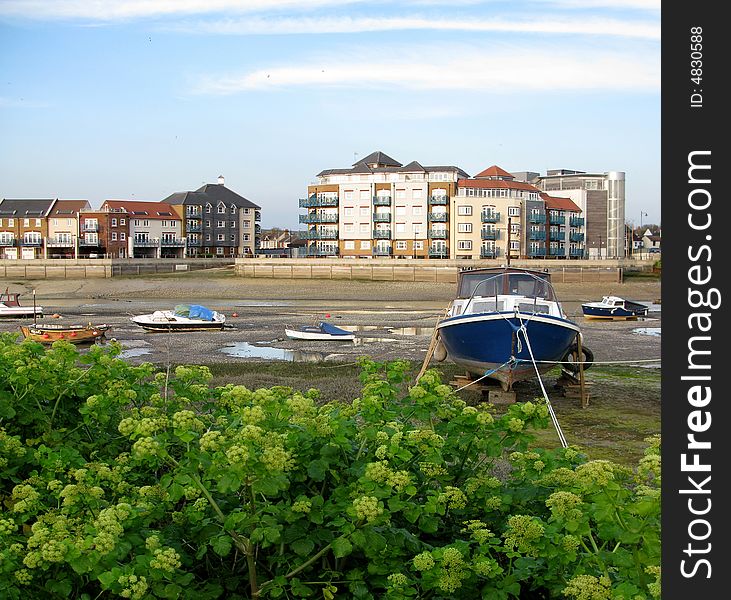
(218, 221)
(153, 229)
(104, 233)
(601, 199)
(380, 207)
(63, 228)
(23, 227)
(564, 227)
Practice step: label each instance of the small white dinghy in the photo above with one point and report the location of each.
(322, 331)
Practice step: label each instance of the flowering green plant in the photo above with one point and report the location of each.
(120, 480)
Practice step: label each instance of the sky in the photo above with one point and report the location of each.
(138, 99)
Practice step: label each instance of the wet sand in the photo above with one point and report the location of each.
(391, 319)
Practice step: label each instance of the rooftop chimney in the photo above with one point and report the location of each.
(221, 180)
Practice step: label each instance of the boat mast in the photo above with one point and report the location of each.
(35, 317)
(507, 248)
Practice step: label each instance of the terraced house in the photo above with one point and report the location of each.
(23, 227)
(63, 228)
(218, 221)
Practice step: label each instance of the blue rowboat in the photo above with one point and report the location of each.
(504, 323)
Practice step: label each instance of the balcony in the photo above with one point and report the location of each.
(257, 215)
(194, 243)
(537, 235)
(383, 217)
(537, 218)
(576, 237)
(557, 220)
(193, 227)
(319, 218)
(539, 251)
(576, 252)
(92, 227)
(5, 241)
(321, 252)
(320, 234)
(381, 200)
(489, 252)
(57, 242)
(438, 253)
(194, 214)
(315, 201)
(172, 242)
(441, 200)
(381, 234)
(576, 221)
(438, 217)
(490, 234)
(438, 234)
(94, 243)
(146, 243)
(35, 243)
(556, 236)
(556, 252)
(490, 217)
(382, 251)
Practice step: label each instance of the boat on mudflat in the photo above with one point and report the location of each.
(10, 307)
(48, 333)
(504, 321)
(322, 331)
(614, 307)
(184, 317)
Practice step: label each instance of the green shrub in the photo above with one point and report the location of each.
(121, 481)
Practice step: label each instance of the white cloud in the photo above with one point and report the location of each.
(457, 69)
(320, 25)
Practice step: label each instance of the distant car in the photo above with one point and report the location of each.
(654, 250)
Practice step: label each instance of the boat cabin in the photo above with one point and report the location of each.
(505, 289)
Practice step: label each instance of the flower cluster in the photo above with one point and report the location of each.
(453, 497)
(367, 508)
(564, 505)
(523, 532)
(133, 587)
(588, 587)
(165, 559)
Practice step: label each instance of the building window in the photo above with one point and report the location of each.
(233, 223)
(114, 222)
(350, 245)
(246, 211)
(515, 245)
(400, 210)
(245, 224)
(349, 195)
(401, 193)
(364, 211)
(206, 223)
(464, 244)
(221, 209)
(220, 223)
(349, 228)
(464, 210)
(11, 222)
(233, 210)
(233, 237)
(208, 237)
(400, 227)
(418, 228)
(365, 245)
(417, 211)
(401, 246)
(365, 195)
(513, 211)
(26, 222)
(114, 236)
(209, 208)
(219, 249)
(418, 245)
(221, 237)
(348, 211)
(38, 222)
(416, 194)
(122, 236)
(364, 227)
(464, 227)
(122, 222)
(246, 237)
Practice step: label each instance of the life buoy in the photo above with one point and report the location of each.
(570, 360)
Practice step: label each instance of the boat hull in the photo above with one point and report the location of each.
(298, 334)
(485, 342)
(179, 326)
(612, 313)
(20, 312)
(47, 334)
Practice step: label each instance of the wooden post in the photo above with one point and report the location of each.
(507, 247)
(582, 387)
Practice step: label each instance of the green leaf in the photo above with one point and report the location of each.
(222, 545)
(317, 470)
(341, 547)
(303, 546)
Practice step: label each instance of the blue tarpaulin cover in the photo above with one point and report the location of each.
(194, 311)
(332, 330)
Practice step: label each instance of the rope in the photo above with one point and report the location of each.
(595, 362)
(554, 418)
(487, 374)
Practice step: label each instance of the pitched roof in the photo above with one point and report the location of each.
(412, 167)
(553, 203)
(495, 171)
(379, 159)
(141, 208)
(69, 207)
(211, 193)
(497, 183)
(20, 208)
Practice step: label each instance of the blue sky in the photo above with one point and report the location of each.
(142, 98)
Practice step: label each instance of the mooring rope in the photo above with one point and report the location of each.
(487, 374)
(554, 418)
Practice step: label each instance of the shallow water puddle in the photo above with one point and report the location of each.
(247, 350)
(653, 331)
(132, 352)
(411, 330)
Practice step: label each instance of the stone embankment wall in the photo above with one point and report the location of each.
(102, 267)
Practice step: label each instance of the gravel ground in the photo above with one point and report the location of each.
(391, 319)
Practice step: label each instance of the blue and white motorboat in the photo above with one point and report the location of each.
(614, 307)
(184, 317)
(504, 321)
(322, 331)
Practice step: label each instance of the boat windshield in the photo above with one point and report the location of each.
(514, 284)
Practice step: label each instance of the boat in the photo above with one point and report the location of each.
(321, 331)
(76, 334)
(614, 307)
(506, 324)
(10, 306)
(184, 317)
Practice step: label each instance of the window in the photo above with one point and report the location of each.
(245, 224)
(418, 228)
(114, 222)
(221, 209)
(364, 227)
(464, 210)
(207, 223)
(11, 222)
(220, 223)
(233, 210)
(122, 236)
(349, 228)
(365, 194)
(400, 227)
(417, 211)
(401, 210)
(233, 223)
(233, 237)
(208, 237)
(54, 221)
(365, 245)
(401, 246)
(221, 237)
(38, 222)
(114, 236)
(246, 211)
(515, 245)
(400, 193)
(464, 227)
(122, 222)
(219, 250)
(246, 237)
(348, 211)
(349, 194)
(418, 245)
(364, 211)
(26, 222)
(350, 245)
(513, 211)
(464, 244)
(416, 193)
(209, 208)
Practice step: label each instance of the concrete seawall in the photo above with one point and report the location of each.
(101, 267)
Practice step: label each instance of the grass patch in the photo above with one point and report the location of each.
(624, 403)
